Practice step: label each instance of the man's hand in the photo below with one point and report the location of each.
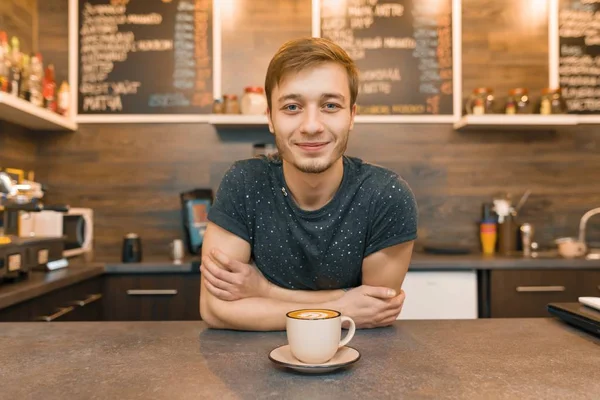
(229, 280)
(371, 307)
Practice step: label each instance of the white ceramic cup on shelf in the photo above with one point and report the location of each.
(314, 335)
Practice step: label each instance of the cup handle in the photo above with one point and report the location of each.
(350, 333)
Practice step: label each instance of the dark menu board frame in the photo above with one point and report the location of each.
(144, 57)
(403, 50)
(579, 55)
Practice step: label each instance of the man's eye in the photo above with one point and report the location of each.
(331, 106)
(291, 107)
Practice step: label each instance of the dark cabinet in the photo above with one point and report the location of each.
(79, 302)
(526, 293)
(590, 283)
(119, 297)
(152, 297)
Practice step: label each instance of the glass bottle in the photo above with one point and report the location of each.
(481, 102)
(518, 101)
(552, 102)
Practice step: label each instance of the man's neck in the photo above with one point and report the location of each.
(313, 191)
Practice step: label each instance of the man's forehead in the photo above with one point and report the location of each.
(294, 83)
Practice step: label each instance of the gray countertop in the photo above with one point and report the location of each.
(470, 359)
(424, 261)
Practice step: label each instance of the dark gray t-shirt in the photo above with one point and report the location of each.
(374, 208)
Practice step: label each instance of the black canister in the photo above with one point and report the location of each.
(132, 248)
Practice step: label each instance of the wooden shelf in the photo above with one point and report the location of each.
(237, 120)
(23, 113)
(588, 119)
(525, 122)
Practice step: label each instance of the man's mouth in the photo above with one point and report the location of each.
(312, 146)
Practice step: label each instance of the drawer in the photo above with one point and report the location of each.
(152, 297)
(78, 302)
(525, 293)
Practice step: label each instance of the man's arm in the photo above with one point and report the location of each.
(368, 306)
(254, 313)
(387, 267)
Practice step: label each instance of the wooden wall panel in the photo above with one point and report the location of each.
(505, 45)
(19, 18)
(132, 174)
(54, 36)
(252, 33)
(18, 147)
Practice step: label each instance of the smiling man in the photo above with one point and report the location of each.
(309, 227)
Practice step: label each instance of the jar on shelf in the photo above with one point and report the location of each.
(232, 106)
(552, 102)
(218, 106)
(254, 101)
(518, 101)
(481, 102)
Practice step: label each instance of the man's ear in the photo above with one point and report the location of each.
(352, 115)
(271, 129)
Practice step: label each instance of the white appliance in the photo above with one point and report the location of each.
(76, 226)
(440, 295)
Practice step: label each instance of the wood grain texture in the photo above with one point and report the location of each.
(18, 147)
(252, 33)
(132, 174)
(19, 18)
(505, 46)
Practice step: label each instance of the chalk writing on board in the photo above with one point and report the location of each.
(403, 50)
(145, 56)
(579, 60)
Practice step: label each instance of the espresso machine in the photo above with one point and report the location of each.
(20, 255)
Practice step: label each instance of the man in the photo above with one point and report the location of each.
(314, 222)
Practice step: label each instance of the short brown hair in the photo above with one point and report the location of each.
(298, 54)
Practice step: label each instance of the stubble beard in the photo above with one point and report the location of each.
(311, 166)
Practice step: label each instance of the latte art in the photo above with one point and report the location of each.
(313, 314)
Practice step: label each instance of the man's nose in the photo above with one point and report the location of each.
(312, 123)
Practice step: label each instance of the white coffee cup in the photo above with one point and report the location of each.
(314, 335)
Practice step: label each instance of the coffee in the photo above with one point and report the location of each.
(314, 335)
(313, 314)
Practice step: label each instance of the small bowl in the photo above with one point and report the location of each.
(569, 247)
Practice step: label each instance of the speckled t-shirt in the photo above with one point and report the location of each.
(374, 208)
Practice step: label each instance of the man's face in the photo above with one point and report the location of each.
(311, 117)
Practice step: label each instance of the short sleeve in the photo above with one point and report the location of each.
(394, 216)
(229, 207)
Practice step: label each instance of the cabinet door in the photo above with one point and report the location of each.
(152, 297)
(589, 284)
(79, 302)
(440, 295)
(526, 293)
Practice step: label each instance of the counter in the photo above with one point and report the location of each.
(470, 359)
(424, 261)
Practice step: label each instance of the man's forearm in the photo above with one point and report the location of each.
(303, 296)
(251, 314)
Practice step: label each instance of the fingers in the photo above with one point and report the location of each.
(228, 263)
(379, 292)
(217, 272)
(218, 293)
(388, 317)
(216, 282)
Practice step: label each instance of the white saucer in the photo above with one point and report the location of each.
(283, 356)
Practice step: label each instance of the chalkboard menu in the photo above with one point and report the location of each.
(403, 49)
(579, 65)
(145, 57)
